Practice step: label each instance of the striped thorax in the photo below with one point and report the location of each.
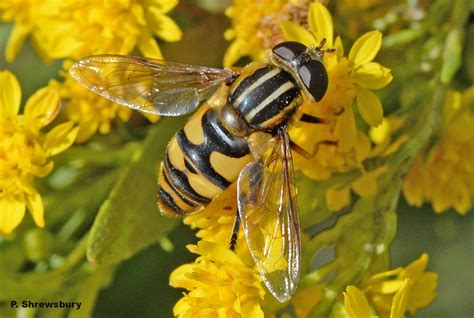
(265, 98)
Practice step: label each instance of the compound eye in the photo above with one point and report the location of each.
(288, 50)
(314, 77)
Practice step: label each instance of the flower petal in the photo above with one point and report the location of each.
(42, 170)
(365, 48)
(415, 268)
(234, 52)
(337, 198)
(362, 146)
(148, 46)
(366, 185)
(218, 252)
(370, 107)
(17, 39)
(355, 303)
(339, 46)
(60, 138)
(295, 32)
(345, 130)
(41, 108)
(164, 5)
(10, 94)
(320, 23)
(400, 301)
(35, 206)
(372, 75)
(12, 210)
(381, 133)
(163, 26)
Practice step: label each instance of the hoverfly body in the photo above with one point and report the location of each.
(213, 149)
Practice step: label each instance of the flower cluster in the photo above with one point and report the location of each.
(340, 144)
(74, 29)
(394, 292)
(25, 150)
(219, 284)
(448, 164)
(256, 26)
(386, 288)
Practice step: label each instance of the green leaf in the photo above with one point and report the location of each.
(129, 220)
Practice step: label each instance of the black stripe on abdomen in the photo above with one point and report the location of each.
(216, 139)
(169, 203)
(177, 191)
(179, 180)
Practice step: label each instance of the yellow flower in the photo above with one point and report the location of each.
(382, 288)
(216, 221)
(28, 16)
(25, 150)
(449, 163)
(382, 136)
(357, 306)
(364, 186)
(219, 284)
(74, 29)
(339, 144)
(356, 75)
(255, 26)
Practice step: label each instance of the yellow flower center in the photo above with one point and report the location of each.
(20, 155)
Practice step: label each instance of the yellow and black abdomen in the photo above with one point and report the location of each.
(201, 160)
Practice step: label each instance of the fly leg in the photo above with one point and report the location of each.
(306, 118)
(310, 119)
(235, 232)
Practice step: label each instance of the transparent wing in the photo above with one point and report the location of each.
(268, 211)
(149, 85)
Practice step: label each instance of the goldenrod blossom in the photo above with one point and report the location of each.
(29, 17)
(382, 136)
(339, 144)
(382, 288)
(24, 150)
(255, 26)
(219, 284)
(215, 222)
(74, 29)
(449, 163)
(364, 186)
(357, 306)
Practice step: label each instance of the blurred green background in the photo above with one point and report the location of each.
(140, 287)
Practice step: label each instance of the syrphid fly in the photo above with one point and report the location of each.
(246, 113)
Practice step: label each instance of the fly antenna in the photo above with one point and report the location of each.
(319, 51)
(321, 44)
(320, 47)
